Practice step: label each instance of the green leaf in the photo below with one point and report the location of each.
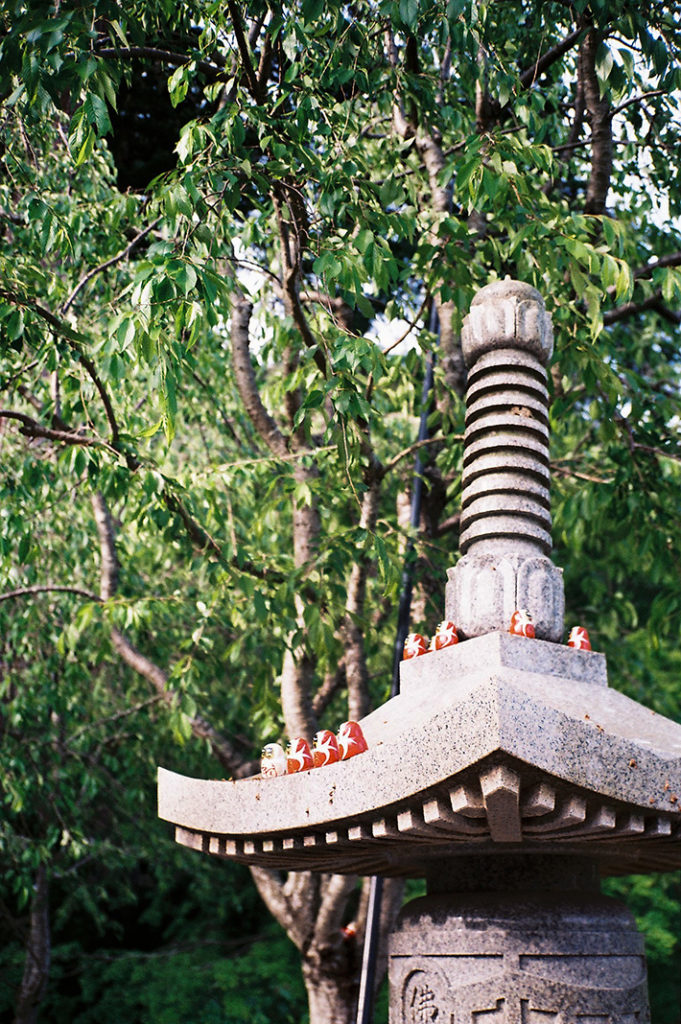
(409, 11)
(97, 113)
(312, 9)
(126, 332)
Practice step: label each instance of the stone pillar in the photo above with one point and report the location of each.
(536, 944)
(507, 340)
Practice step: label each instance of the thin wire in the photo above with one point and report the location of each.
(370, 952)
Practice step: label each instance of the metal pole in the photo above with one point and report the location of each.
(366, 985)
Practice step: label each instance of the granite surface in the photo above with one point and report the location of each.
(517, 958)
(499, 740)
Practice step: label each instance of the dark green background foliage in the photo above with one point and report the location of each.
(357, 163)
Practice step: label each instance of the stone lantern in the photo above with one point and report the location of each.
(506, 772)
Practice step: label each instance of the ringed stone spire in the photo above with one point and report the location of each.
(505, 542)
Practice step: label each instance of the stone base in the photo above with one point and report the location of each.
(485, 589)
(517, 955)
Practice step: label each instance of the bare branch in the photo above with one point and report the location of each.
(410, 327)
(590, 477)
(326, 692)
(416, 446)
(448, 525)
(109, 567)
(634, 308)
(244, 52)
(332, 905)
(106, 264)
(91, 371)
(530, 75)
(49, 588)
(335, 305)
(31, 428)
(638, 99)
(292, 919)
(245, 379)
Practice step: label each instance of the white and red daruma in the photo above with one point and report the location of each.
(521, 623)
(445, 636)
(326, 749)
(351, 740)
(299, 756)
(579, 639)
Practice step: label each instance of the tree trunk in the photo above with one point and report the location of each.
(37, 963)
(332, 981)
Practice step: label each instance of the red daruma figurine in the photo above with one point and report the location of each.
(351, 740)
(521, 623)
(414, 646)
(445, 636)
(579, 639)
(325, 749)
(299, 756)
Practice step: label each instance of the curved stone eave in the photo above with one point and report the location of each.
(499, 805)
(475, 752)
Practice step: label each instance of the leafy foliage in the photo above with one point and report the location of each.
(210, 212)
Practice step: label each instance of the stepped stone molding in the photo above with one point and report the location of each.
(517, 958)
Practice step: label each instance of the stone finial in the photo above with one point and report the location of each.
(507, 340)
(507, 314)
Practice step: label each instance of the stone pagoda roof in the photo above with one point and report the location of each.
(502, 742)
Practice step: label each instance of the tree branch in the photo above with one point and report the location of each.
(244, 52)
(91, 371)
(106, 264)
(415, 447)
(528, 77)
(292, 244)
(166, 56)
(76, 341)
(31, 428)
(638, 99)
(59, 326)
(49, 588)
(326, 692)
(38, 952)
(221, 748)
(334, 898)
(634, 308)
(671, 259)
(353, 632)
(295, 921)
(245, 379)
